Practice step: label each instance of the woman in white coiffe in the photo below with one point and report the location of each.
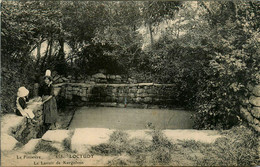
(50, 112)
(21, 104)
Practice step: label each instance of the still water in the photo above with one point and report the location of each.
(130, 118)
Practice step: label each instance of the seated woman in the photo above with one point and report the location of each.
(21, 105)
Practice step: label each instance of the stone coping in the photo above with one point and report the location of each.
(112, 85)
(84, 138)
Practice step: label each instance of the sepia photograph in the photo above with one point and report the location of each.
(130, 83)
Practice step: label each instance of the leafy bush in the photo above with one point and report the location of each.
(212, 74)
(14, 74)
(231, 67)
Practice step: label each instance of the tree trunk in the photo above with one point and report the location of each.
(49, 58)
(50, 49)
(151, 33)
(71, 61)
(61, 51)
(39, 51)
(43, 63)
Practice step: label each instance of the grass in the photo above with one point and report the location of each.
(18, 145)
(67, 142)
(161, 148)
(192, 145)
(119, 161)
(237, 147)
(44, 146)
(137, 146)
(142, 152)
(118, 143)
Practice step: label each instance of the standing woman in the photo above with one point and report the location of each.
(50, 112)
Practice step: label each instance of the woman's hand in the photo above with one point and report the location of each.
(46, 99)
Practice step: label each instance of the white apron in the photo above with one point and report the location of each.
(27, 112)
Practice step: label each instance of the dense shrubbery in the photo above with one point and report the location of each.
(232, 67)
(212, 65)
(14, 74)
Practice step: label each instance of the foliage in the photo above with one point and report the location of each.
(208, 49)
(211, 74)
(231, 67)
(238, 148)
(24, 23)
(13, 77)
(119, 37)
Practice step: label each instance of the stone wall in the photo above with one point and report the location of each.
(96, 78)
(251, 109)
(112, 90)
(114, 94)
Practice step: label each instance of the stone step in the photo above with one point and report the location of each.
(57, 136)
(205, 136)
(8, 142)
(84, 138)
(30, 146)
(9, 124)
(81, 139)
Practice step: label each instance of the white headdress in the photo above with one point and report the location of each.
(48, 73)
(22, 92)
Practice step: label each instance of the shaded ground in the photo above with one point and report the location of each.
(131, 118)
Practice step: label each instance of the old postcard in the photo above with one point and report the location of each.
(130, 83)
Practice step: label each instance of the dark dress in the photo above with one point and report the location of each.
(50, 112)
(22, 103)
